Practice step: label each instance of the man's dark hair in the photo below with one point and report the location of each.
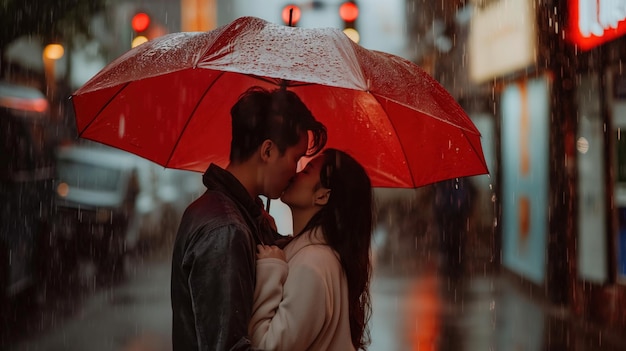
(278, 115)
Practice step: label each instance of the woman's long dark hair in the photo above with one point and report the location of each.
(346, 222)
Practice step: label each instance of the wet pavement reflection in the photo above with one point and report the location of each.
(415, 307)
(427, 310)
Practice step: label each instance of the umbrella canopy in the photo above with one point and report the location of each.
(169, 101)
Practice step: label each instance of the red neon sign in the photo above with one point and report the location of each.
(593, 22)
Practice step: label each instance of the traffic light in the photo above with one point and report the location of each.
(140, 24)
(291, 15)
(349, 12)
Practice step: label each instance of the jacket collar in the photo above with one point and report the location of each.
(217, 178)
(310, 237)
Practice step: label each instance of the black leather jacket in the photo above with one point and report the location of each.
(213, 266)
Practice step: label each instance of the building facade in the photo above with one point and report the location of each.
(549, 77)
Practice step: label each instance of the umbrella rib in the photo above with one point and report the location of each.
(80, 134)
(193, 112)
(482, 160)
(395, 132)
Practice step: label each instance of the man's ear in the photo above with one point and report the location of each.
(266, 149)
(321, 196)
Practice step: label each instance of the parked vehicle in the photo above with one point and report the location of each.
(97, 188)
(111, 203)
(26, 190)
(163, 195)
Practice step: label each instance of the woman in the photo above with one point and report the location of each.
(314, 295)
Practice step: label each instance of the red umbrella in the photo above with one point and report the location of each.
(168, 100)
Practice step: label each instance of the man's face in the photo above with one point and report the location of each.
(282, 167)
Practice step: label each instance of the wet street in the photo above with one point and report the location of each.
(415, 308)
(132, 315)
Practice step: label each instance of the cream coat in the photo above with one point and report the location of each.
(301, 304)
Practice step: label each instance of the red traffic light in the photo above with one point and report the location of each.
(140, 22)
(348, 11)
(291, 14)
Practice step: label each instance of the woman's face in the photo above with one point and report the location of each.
(304, 189)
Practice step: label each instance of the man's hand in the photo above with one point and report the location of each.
(267, 251)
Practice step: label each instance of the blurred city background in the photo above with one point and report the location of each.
(529, 257)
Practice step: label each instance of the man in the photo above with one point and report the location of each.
(213, 264)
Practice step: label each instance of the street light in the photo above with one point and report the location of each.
(140, 24)
(349, 12)
(51, 54)
(291, 15)
(53, 51)
(138, 40)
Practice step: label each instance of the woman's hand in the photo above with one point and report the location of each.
(267, 251)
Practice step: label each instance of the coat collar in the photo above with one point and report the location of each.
(310, 237)
(217, 178)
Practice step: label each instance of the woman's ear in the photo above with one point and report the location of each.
(321, 196)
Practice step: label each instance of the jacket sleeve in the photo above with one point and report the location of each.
(289, 316)
(221, 283)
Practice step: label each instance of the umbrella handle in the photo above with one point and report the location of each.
(267, 205)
